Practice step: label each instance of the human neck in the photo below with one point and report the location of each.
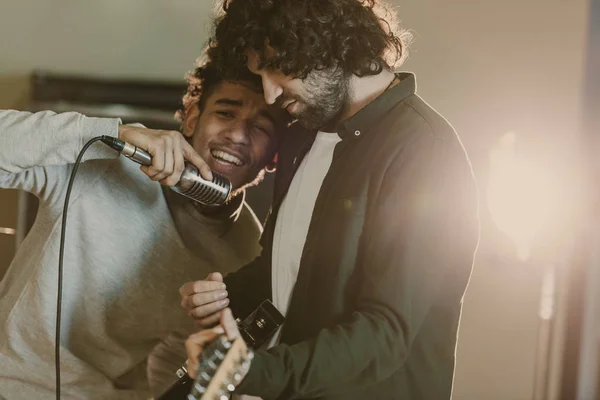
(362, 90)
(365, 89)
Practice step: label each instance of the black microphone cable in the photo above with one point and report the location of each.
(60, 261)
(191, 185)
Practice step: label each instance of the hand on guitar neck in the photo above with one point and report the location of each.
(218, 359)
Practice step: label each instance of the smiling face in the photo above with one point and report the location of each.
(235, 132)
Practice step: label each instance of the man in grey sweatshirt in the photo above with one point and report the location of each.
(131, 242)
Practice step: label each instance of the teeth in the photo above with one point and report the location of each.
(221, 155)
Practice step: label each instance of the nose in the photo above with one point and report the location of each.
(271, 90)
(238, 133)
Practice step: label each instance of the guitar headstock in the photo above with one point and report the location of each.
(221, 366)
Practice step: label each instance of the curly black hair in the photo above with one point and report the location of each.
(203, 80)
(358, 36)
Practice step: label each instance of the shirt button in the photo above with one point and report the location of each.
(357, 133)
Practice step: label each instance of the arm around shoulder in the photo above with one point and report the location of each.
(36, 145)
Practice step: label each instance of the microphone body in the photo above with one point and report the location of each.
(191, 184)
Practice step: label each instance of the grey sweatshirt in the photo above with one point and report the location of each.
(125, 259)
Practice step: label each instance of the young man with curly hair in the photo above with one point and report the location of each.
(130, 244)
(374, 226)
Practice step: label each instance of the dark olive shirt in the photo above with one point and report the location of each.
(375, 310)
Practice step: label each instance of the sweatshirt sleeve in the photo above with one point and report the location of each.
(166, 358)
(37, 150)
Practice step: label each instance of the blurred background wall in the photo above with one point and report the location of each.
(490, 67)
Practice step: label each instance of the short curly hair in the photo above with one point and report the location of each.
(358, 36)
(203, 80)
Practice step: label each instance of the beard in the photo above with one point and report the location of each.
(327, 99)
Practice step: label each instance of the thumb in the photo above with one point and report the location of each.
(229, 324)
(215, 276)
(191, 155)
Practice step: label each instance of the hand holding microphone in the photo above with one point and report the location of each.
(168, 150)
(165, 162)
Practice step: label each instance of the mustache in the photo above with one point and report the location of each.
(284, 99)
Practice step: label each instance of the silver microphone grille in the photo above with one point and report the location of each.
(210, 193)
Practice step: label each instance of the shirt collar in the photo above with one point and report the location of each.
(368, 116)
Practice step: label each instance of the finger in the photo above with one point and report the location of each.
(201, 311)
(192, 156)
(158, 163)
(215, 276)
(195, 344)
(144, 169)
(167, 149)
(228, 323)
(135, 136)
(209, 321)
(190, 288)
(201, 299)
(204, 336)
(178, 162)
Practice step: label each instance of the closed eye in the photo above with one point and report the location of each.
(225, 114)
(261, 128)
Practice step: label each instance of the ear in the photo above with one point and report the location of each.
(192, 113)
(272, 166)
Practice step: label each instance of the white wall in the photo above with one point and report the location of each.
(116, 38)
(488, 66)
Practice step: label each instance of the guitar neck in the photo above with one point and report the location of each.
(221, 367)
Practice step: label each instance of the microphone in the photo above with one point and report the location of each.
(191, 184)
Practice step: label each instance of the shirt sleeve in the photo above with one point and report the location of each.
(248, 287)
(37, 149)
(165, 359)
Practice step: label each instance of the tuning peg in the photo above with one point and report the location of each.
(245, 361)
(229, 386)
(246, 358)
(236, 378)
(222, 343)
(245, 365)
(211, 364)
(205, 377)
(201, 389)
(219, 354)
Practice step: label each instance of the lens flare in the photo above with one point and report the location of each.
(519, 194)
